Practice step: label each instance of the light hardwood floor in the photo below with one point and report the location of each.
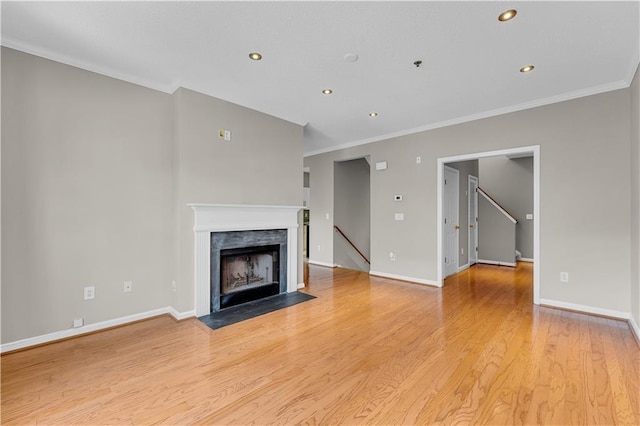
(367, 350)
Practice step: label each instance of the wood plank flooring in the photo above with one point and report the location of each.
(367, 351)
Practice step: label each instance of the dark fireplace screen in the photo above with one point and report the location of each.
(248, 274)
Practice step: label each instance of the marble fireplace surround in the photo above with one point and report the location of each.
(210, 218)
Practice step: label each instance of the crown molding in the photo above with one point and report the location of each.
(621, 84)
(87, 66)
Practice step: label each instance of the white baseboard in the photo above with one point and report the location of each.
(526, 259)
(404, 278)
(179, 316)
(300, 285)
(493, 262)
(318, 263)
(89, 328)
(634, 327)
(586, 309)
(463, 267)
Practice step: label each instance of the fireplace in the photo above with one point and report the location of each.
(247, 266)
(214, 228)
(248, 273)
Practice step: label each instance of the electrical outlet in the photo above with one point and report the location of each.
(392, 256)
(462, 251)
(326, 216)
(174, 286)
(128, 286)
(564, 277)
(78, 322)
(418, 160)
(399, 216)
(318, 247)
(89, 293)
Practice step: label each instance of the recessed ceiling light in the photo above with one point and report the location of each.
(255, 56)
(327, 91)
(527, 68)
(373, 114)
(507, 15)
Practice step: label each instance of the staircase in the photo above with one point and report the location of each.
(354, 258)
(496, 232)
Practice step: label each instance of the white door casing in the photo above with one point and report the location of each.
(473, 220)
(450, 220)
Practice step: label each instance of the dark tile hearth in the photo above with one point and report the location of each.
(253, 309)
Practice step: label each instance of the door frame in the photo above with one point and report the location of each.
(472, 219)
(456, 199)
(533, 150)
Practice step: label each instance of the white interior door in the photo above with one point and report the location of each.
(473, 220)
(451, 192)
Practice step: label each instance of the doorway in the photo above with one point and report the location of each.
(352, 214)
(533, 151)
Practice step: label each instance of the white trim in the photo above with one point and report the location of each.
(493, 262)
(301, 285)
(526, 259)
(319, 263)
(195, 206)
(174, 85)
(179, 316)
(585, 309)
(535, 150)
(404, 278)
(90, 328)
(456, 250)
(634, 327)
(621, 84)
(463, 267)
(471, 218)
(634, 66)
(536, 225)
(497, 206)
(87, 66)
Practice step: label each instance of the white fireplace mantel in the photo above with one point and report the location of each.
(238, 217)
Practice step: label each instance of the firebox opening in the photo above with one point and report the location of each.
(248, 274)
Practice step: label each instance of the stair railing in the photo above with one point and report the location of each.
(496, 205)
(351, 243)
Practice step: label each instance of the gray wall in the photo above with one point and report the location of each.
(635, 198)
(96, 177)
(466, 168)
(510, 183)
(496, 234)
(86, 196)
(351, 212)
(592, 134)
(262, 164)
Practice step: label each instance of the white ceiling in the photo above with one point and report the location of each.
(470, 60)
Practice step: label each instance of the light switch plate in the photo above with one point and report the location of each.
(381, 165)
